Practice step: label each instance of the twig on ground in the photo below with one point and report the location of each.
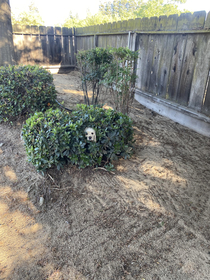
(104, 169)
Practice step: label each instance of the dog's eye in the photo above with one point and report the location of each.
(86, 133)
(92, 133)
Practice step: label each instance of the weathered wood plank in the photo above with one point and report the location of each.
(157, 54)
(18, 47)
(207, 22)
(95, 41)
(176, 66)
(188, 69)
(118, 41)
(85, 43)
(149, 60)
(167, 23)
(66, 50)
(50, 44)
(165, 65)
(57, 46)
(77, 40)
(104, 41)
(160, 65)
(206, 101)
(109, 40)
(198, 20)
(142, 61)
(201, 72)
(114, 41)
(124, 42)
(43, 38)
(72, 50)
(100, 41)
(36, 56)
(65, 47)
(81, 43)
(26, 55)
(57, 50)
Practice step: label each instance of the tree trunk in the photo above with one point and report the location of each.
(6, 39)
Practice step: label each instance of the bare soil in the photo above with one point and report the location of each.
(149, 220)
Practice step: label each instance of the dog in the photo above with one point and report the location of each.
(90, 134)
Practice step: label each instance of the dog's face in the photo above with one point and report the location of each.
(90, 134)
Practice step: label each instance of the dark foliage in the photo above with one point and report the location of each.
(55, 138)
(25, 90)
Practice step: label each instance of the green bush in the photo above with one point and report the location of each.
(121, 78)
(93, 65)
(55, 138)
(24, 90)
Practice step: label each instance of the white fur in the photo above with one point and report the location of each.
(90, 134)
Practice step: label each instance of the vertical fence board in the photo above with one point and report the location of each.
(81, 43)
(73, 58)
(149, 58)
(176, 66)
(153, 73)
(206, 103)
(165, 65)
(142, 60)
(50, 44)
(57, 45)
(99, 41)
(94, 41)
(187, 69)
(66, 50)
(57, 50)
(26, 57)
(77, 40)
(118, 41)
(104, 41)
(36, 52)
(43, 39)
(108, 40)
(124, 41)
(43, 44)
(201, 72)
(18, 47)
(113, 41)
(85, 42)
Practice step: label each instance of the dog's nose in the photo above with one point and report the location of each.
(90, 137)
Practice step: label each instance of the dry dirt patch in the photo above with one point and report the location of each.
(149, 220)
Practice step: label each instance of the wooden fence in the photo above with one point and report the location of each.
(43, 45)
(174, 52)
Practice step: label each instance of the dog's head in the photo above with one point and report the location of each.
(90, 134)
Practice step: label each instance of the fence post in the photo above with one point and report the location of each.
(95, 41)
(6, 37)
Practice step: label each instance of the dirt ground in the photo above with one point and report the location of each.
(149, 220)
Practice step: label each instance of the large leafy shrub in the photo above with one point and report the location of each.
(24, 90)
(93, 65)
(54, 138)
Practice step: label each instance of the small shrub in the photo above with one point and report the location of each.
(93, 65)
(120, 78)
(24, 90)
(55, 138)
